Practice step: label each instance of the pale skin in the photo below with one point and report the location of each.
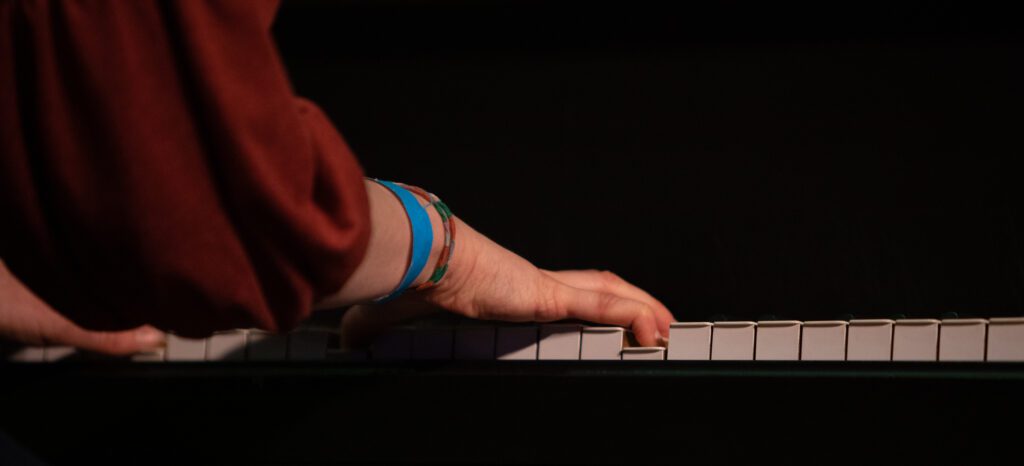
(484, 281)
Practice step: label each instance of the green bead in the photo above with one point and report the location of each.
(447, 211)
(436, 277)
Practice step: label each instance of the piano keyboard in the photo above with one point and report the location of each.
(707, 395)
(977, 340)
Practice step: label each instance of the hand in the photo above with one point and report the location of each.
(26, 319)
(487, 281)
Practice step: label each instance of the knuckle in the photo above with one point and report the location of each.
(113, 343)
(644, 315)
(605, 303)
(609, 277)
(650, 315)
(548, 314)
(553, 304)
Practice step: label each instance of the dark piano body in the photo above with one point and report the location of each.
(803, 160)
(514, 411)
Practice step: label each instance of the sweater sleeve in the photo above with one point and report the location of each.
(157, 168)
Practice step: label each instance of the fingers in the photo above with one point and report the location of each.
(608, 282)
(604, 308)
(121, 343)
(57, 330)
(27, 319)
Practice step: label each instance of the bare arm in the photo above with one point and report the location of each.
(388, 251)
(484, 281)
(487, 281)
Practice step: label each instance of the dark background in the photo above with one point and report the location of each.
(800, 160)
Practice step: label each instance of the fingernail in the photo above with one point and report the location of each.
(150, 337)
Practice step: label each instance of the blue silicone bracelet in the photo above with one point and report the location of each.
(422, 237)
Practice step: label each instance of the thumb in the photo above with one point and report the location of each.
(124, 342)
(362, 323)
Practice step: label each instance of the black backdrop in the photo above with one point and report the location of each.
(797, 160)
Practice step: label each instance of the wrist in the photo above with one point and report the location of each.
(390, 250)
(437, 226)
(460, 264)
(387, 252)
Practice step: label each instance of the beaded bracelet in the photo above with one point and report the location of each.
(449, 236)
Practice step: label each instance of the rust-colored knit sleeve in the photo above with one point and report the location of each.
(156, 167)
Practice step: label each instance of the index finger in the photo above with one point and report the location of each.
(608, 308)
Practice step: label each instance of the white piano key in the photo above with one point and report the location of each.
(185, 349)
(559, 341)
(962, 339)
(261, 345)
(732, 341)
(516, 342)
(915, 340)
(307, 345)
(226, 346)
(433, 343)
(643, 353)
(1006, 339)
(869, 340)
(54, 353)
(474, 342)
(823, 340)
(155, 355)
(393, 345)
(689, 341)
(602, 343)
(778, 340)
(28, 354)
(57, 353)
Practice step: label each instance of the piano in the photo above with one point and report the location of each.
(443, 390)
(998, 339)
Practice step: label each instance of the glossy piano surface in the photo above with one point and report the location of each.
(514, 411)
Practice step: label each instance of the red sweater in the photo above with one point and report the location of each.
(156, 167)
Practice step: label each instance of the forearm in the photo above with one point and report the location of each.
(388, 251)
(486, 281)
